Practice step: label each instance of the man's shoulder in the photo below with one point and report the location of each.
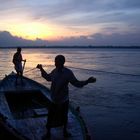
(15, 54)
(67, 70)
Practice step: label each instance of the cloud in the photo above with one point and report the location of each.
(74, 11)
(116, 39)
(121, 14)
(98, 39)
(7, 40)
(111, 22)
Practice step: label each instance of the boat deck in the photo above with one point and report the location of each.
(32, 125)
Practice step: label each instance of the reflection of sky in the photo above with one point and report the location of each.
(6, 62)
(59, 18)
(86, 60)
(34, 58)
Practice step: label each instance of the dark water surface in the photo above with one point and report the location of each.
(111, 106)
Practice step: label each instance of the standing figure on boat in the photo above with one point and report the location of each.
(60, 77)
(17, 60)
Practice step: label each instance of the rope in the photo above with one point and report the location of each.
(102, 71)
(108, 72)
(35, 68)
(29, 70)
(127, 74)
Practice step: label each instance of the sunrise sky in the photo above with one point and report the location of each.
(76, 22)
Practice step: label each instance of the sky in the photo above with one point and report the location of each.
(70, 22)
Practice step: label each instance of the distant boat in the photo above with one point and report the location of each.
(24, 108)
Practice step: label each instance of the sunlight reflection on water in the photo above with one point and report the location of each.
(112, 97)
(87, 61)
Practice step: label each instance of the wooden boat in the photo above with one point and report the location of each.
(23, 112)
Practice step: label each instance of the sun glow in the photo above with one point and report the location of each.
(32, 31)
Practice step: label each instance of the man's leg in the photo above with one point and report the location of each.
(17, 75)
(65, 131)
(21, 77)
(49, 120)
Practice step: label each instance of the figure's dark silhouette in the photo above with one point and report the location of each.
(60, 77)
(17, 60)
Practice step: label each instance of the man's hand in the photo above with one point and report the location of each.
(91, 80)
(39, 66)
(24, 60)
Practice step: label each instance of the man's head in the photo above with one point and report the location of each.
(18, 49)
(59, 61)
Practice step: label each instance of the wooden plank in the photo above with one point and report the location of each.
(4, 108)
(35, 128)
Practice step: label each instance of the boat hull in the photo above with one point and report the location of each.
(25, 108)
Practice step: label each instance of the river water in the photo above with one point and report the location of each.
(111, 106)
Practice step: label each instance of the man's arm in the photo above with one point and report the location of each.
(75, 82)
(44, 73)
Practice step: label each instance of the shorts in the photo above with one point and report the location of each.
(57, 114)
(18, 67)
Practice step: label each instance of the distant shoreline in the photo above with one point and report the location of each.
(75, 47)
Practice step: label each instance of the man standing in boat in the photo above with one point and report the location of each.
(17, 60)
(60, 78)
